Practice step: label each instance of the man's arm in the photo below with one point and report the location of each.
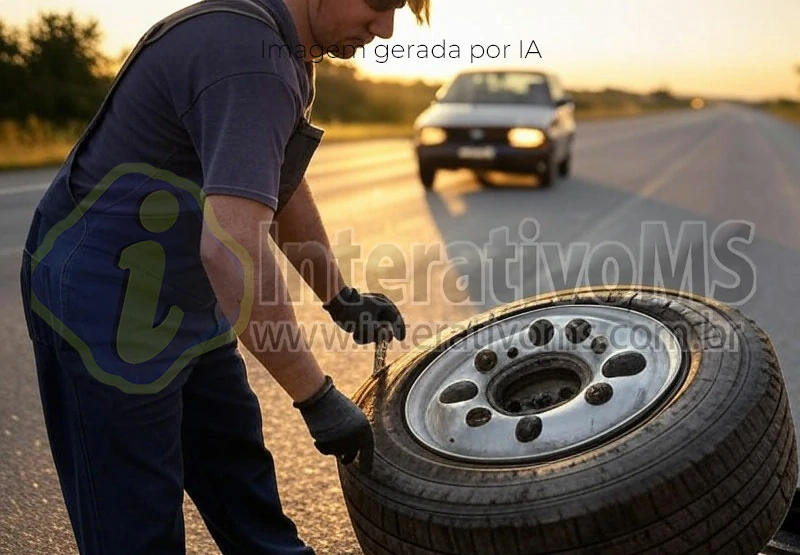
(299, 233)
(295, 369)
(339, 427)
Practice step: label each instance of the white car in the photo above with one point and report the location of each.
(510, 120)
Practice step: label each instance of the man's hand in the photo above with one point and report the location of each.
(337, 425)
(369, 317)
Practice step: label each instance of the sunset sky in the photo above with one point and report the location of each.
(734, 48)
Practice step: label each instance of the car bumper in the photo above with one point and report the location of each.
(505, 158)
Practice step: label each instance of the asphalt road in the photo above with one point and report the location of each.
(717, 175)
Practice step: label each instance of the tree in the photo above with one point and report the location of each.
(339, 97)
(662, 94)
(64, 68)
(12, 74)
(344, 95)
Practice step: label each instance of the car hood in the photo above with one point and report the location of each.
(456, 114)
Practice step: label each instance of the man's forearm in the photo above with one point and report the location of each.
(300, 234)
(272, 333)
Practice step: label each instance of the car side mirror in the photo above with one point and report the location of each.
(566, 99)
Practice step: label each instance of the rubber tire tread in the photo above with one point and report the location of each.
(427, 174)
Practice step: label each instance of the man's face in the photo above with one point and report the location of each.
(340, 26)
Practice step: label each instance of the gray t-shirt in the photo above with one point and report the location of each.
(214, 101)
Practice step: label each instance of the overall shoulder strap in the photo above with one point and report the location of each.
(249, 8)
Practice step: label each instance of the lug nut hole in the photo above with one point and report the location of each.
(578, 330)
(541, 332)
(624, 364)
(459, 392)
(478, 417)
(528, 429)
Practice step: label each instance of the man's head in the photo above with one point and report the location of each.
(340, 26)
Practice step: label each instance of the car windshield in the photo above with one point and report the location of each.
(498, 88)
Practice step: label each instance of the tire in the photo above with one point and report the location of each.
(565, 166)
(550, 174)
(482, 177)
(711, 470)
(427, 174)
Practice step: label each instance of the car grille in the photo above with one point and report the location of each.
(493, 135)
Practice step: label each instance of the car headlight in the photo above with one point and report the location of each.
(429, 136)
(526, 137)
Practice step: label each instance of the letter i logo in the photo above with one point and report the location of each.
(139, 339)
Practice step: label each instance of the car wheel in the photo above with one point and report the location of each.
(565, 166)
(427, 174)
(615, 422)
(483, 177)
(546, 172)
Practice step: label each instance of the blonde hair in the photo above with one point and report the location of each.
(421, 9)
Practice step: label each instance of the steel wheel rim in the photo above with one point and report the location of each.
(598, 372)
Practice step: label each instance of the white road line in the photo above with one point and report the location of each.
(23, 189)
(651, 187)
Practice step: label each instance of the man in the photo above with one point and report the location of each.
(141, 266)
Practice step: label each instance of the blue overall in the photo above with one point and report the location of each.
(146, 395)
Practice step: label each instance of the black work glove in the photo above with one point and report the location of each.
(337, 425)
(369, 317)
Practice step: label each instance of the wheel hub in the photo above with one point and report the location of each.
(537, 384)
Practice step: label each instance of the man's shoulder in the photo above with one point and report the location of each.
(210, 47)
(224, 37)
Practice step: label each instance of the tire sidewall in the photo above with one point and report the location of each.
(721, 390)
